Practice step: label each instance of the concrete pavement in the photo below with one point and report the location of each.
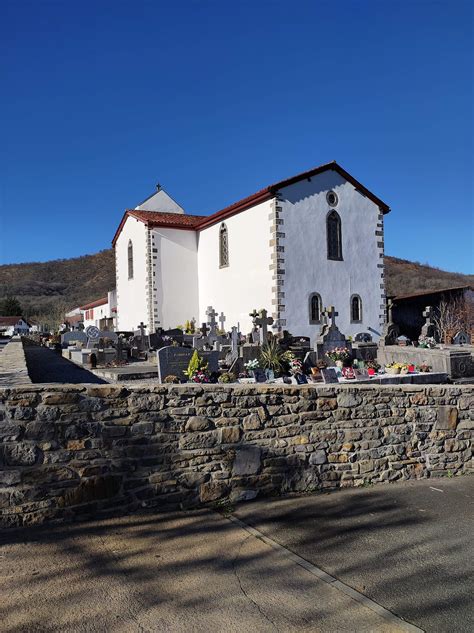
(195, 571)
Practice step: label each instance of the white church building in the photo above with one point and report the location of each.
(293, 248)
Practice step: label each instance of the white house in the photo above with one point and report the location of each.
(294, 247)
(102, 313)
(13, 325)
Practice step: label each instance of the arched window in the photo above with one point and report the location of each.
(334, 235)
(356, 309)
(315, 307)
(130, 259)
(223, 247)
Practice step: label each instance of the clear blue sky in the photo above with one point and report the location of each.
(215, 100)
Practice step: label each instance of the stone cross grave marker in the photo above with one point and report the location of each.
(390, 330)
(263, 321)
(222, 321)
(142, 327)
(234, 342)
(332, 314)
(429, 328)
(211, 321)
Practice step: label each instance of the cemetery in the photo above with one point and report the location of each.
(214, 353)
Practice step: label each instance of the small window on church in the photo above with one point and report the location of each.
(334, 236)
(223, 247)
(356, 309)
(130, 259)
(315, 308)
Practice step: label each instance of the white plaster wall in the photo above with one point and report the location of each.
(175, 277)
(307, 269)
(131, 293)
(246, 284)
(99, 312)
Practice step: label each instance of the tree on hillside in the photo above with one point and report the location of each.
(10, 306)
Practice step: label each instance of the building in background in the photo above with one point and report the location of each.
(293, 248)
(102, 313)
(11, 325)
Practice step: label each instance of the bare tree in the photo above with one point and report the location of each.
(453, 316)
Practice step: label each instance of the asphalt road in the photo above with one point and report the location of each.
(45, 365)
(408, 546)
(169, 573)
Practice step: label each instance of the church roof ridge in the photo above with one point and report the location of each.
(198, 222)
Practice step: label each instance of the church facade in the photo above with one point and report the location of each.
(293, 248)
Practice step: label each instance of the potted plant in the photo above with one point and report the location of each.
(372, 367)
(393, 368)
(226, 377)
(272, 358)
(197, 369)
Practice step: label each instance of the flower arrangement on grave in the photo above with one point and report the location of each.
(272, 356)
(197, 369)
(340, 354)
(396, 368)
(426, 342)
(296, 366)
(226, 377)
(424, 368)
(251, 365)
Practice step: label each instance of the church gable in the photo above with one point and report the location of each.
(160, 202)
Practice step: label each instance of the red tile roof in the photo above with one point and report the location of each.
(94, 304)
(198, 222)
(10, 320)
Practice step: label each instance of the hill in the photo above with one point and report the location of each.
(71, 282)
(405, 277)
(41, 287)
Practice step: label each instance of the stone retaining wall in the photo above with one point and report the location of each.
(81, 451)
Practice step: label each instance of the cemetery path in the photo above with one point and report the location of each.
(178, 572)
(408, 546)
(45, 365)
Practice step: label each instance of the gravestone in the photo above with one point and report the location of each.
(363, 337)
(330, 337)
(329, 375)
(234, 342)
(172, 361)
(222, 321)
(462, 338)
(212, 323)
(390, 331)
(73, 337)
(263, 321)
(429, 328)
